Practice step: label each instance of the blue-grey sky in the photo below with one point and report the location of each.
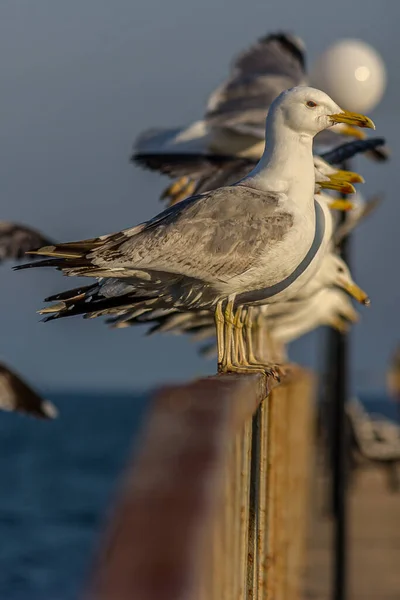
(79, 80)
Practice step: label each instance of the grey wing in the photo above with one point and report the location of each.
(166, 151)
(16, 240)
(275, 63)
(17, 396)
(226, 174)
(213, 237)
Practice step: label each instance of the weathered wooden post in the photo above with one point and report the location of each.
(214, 504)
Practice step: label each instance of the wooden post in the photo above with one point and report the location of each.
(213, 504)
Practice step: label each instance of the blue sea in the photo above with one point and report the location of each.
(57, 481)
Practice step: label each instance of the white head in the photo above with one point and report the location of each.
(335, 272)
(308, 111)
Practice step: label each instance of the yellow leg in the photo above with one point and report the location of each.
(267, 367)
(233, 340)
(239, 353)
(219, 325)
(229, 321)
(242, 345)
(248, 327)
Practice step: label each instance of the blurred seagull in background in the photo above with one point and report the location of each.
(16, 240)
(228, 142)
(17, 396)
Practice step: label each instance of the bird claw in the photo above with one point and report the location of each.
(275, 371)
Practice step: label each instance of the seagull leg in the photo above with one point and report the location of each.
(232, 327)
(267, 367)
(242, 345)
(248, 327)
(263, 337)
(229, 321)
(239, 351)
(233, 340)
(219, 324)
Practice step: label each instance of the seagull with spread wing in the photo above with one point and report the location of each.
(228, 142)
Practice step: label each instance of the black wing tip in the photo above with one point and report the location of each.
(24, 266)
(376, 146)
(290, 41)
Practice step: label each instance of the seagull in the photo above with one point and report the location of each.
(16, 240)
(130, 315)
(229, 140)
(251, 243)
(17, 396)
(330, 306)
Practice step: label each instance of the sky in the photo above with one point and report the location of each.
(79, 81)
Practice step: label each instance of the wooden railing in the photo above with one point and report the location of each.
(213, 506)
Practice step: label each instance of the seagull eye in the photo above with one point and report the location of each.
(311, 104)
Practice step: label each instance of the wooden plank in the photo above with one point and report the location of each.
(161, 532)
(288, 468)
(206, 511)
(374, 542)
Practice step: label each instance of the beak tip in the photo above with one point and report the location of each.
(366, 301)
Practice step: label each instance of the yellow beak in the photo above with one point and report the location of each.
(357, 293)
(351, 118)
(339, 186)
(341, 205)
(349, 130)
(349, 176)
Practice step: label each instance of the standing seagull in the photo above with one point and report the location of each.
(247, 244)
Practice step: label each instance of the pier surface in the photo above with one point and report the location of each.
(374, 542)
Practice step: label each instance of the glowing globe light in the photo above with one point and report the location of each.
(352, 73)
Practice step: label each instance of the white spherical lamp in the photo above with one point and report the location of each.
(352, 73)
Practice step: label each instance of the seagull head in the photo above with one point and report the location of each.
(335, 272)
(309, 111)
